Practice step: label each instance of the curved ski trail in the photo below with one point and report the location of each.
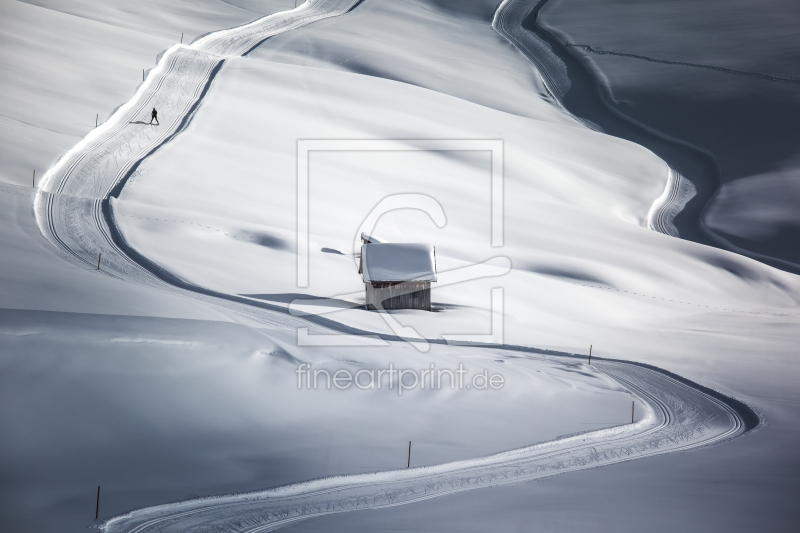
(74, 208)
(508, 22)
(74, 202)
(679, 191)
(679, 417)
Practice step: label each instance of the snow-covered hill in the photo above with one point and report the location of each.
(722, 75)
(176, 376)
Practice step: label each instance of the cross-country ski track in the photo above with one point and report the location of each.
(574, 88)
(75, 211)
(680, 416)
(510, 21)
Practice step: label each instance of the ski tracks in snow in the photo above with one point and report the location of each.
(508, 21)
(679, 417)
(84, 180)
(74, 209)
(74, 202)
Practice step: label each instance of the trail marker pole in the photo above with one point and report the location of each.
(96, 119)
(590, 354)
(97, 505)
(98, 260)
(33, 180)
(633, 404)
(181, 38)
(409, 455)
(142, 74)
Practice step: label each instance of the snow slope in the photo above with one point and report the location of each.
(571, 195)
(66, 62)
(176, 211)
(82, 382)
(73, 193)
(681, 418)
(633, 325)
(157, 410)
(740, 101)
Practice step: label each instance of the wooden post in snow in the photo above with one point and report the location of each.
(96, 119)
(98, 260)
(590, 354)
(181, 38)
(97, 505)
(409, 455)
(33, 180)
(142, 74)
(633, 404)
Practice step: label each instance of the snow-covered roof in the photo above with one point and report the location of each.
(398, 262)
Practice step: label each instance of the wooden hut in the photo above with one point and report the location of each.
(398, 275)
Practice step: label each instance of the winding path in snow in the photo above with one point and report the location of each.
(75, 210)
(74, 194)
(680, 416)
(74, 203)
(575, 89)
(679, 211)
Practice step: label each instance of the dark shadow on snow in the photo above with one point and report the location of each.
(709, 137)
(331, 251)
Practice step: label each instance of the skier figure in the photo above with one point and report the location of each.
(154, 116)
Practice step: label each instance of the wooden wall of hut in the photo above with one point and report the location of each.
(399, 294)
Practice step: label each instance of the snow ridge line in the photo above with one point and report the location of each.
(769, 77)
(74, 208)
(678, 417)
(725, 243)
(508, 17)
(664, 209)
(73, 204)
(173, 71)
(508, 22)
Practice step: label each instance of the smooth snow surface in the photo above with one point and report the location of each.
(720, 75)
(149, 343)
(680, 418)
(66, 63)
